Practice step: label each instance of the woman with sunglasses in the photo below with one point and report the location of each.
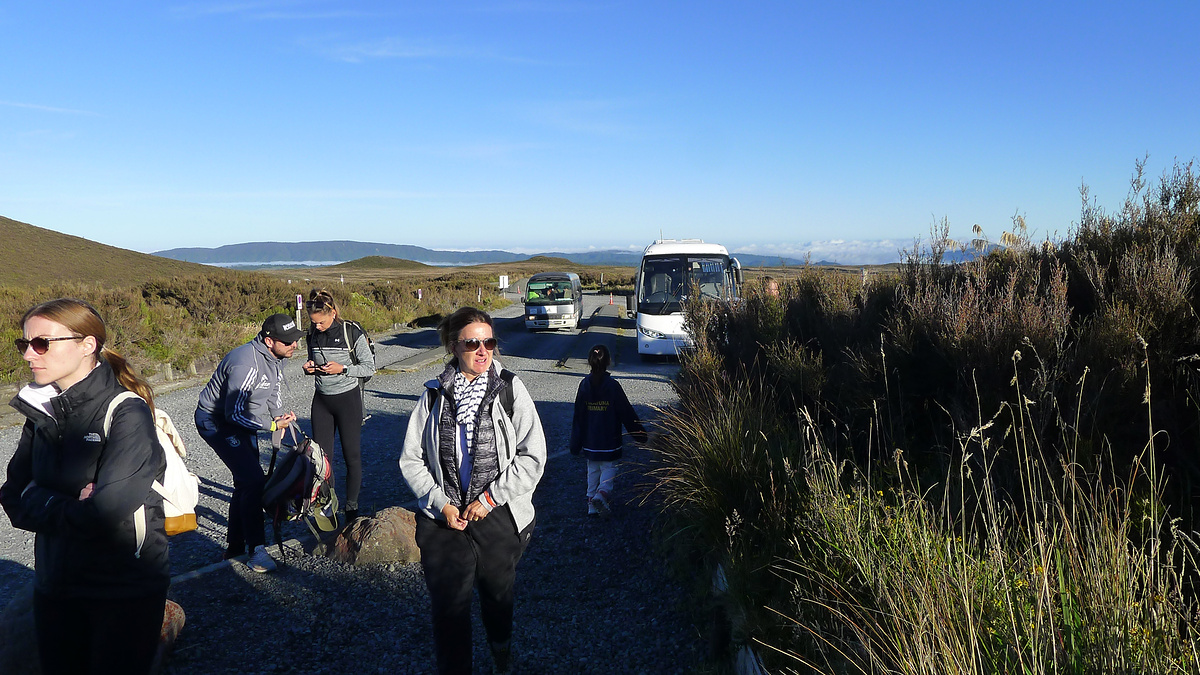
(101, 570)
(473, 468)
(338, 355)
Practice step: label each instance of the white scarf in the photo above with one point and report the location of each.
(467, 397)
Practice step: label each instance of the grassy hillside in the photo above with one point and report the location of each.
(34, 256)
(386, 270)
(382, 262)
(161, 311)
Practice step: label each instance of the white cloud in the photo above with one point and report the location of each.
(588, 116)
(340, 49)
(270, 10)
(46, 108)
(849, 252)
(387, 48)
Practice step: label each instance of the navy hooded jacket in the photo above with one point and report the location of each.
(601, 409)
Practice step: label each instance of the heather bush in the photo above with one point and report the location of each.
(183, 320)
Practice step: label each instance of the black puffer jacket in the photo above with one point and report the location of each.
(89, 548)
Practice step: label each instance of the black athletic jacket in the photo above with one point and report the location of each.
(601, 409)
(89, 548)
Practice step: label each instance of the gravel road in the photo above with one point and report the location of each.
(592, 595)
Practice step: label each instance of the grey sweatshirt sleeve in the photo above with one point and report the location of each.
(418, 455)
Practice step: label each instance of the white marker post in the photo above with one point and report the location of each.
(299, 306)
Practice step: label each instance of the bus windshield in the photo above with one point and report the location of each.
(667, 280)
(549, 293)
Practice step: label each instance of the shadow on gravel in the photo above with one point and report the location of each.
(387, 395)
(13, 577)
(204, 546)
(421, 339)
(543, 343)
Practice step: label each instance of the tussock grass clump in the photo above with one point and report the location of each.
(928, 534)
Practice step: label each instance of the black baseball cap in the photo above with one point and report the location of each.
(282, 328)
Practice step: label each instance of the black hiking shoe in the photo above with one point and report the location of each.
(501, 657)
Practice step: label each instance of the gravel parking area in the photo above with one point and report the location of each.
(592, 595)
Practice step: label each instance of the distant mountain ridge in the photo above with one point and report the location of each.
(276, 252)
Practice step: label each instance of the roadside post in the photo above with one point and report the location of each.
(299, 306)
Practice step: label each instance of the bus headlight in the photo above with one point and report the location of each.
(650, 333)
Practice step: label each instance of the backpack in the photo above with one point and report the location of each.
(300, 486)
(353, 356)
(507, 397)
(180, 488)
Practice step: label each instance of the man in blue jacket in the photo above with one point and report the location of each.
(240, 400)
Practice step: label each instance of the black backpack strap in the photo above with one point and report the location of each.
(507, 396)
(346, 336)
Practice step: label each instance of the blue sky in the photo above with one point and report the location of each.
(844, 129)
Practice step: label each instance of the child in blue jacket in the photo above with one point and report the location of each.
(601, 409)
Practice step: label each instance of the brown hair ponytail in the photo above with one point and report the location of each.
(127, 377)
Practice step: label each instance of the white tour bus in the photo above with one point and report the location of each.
(553, 300)
(670, 268)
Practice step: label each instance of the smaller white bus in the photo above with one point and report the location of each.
(670, 269)
(553, 300)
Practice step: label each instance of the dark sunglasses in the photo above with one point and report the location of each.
(317, 305)
(472, 344)
(40, 344)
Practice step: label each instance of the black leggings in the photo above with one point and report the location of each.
(88, 635)
(342, 413)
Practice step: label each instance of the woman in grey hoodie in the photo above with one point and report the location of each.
(339, 355)
(473, 454)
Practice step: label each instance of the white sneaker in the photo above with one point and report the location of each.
(600, 502)
(592, 511)
(260, 561)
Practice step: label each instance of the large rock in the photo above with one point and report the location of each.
(18, 643)
(173, 620)
(388, 537)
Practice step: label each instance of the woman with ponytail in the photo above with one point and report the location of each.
(339, 354)
(101, 570)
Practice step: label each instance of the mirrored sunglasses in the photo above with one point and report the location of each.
(472, 344)
(40, 344)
